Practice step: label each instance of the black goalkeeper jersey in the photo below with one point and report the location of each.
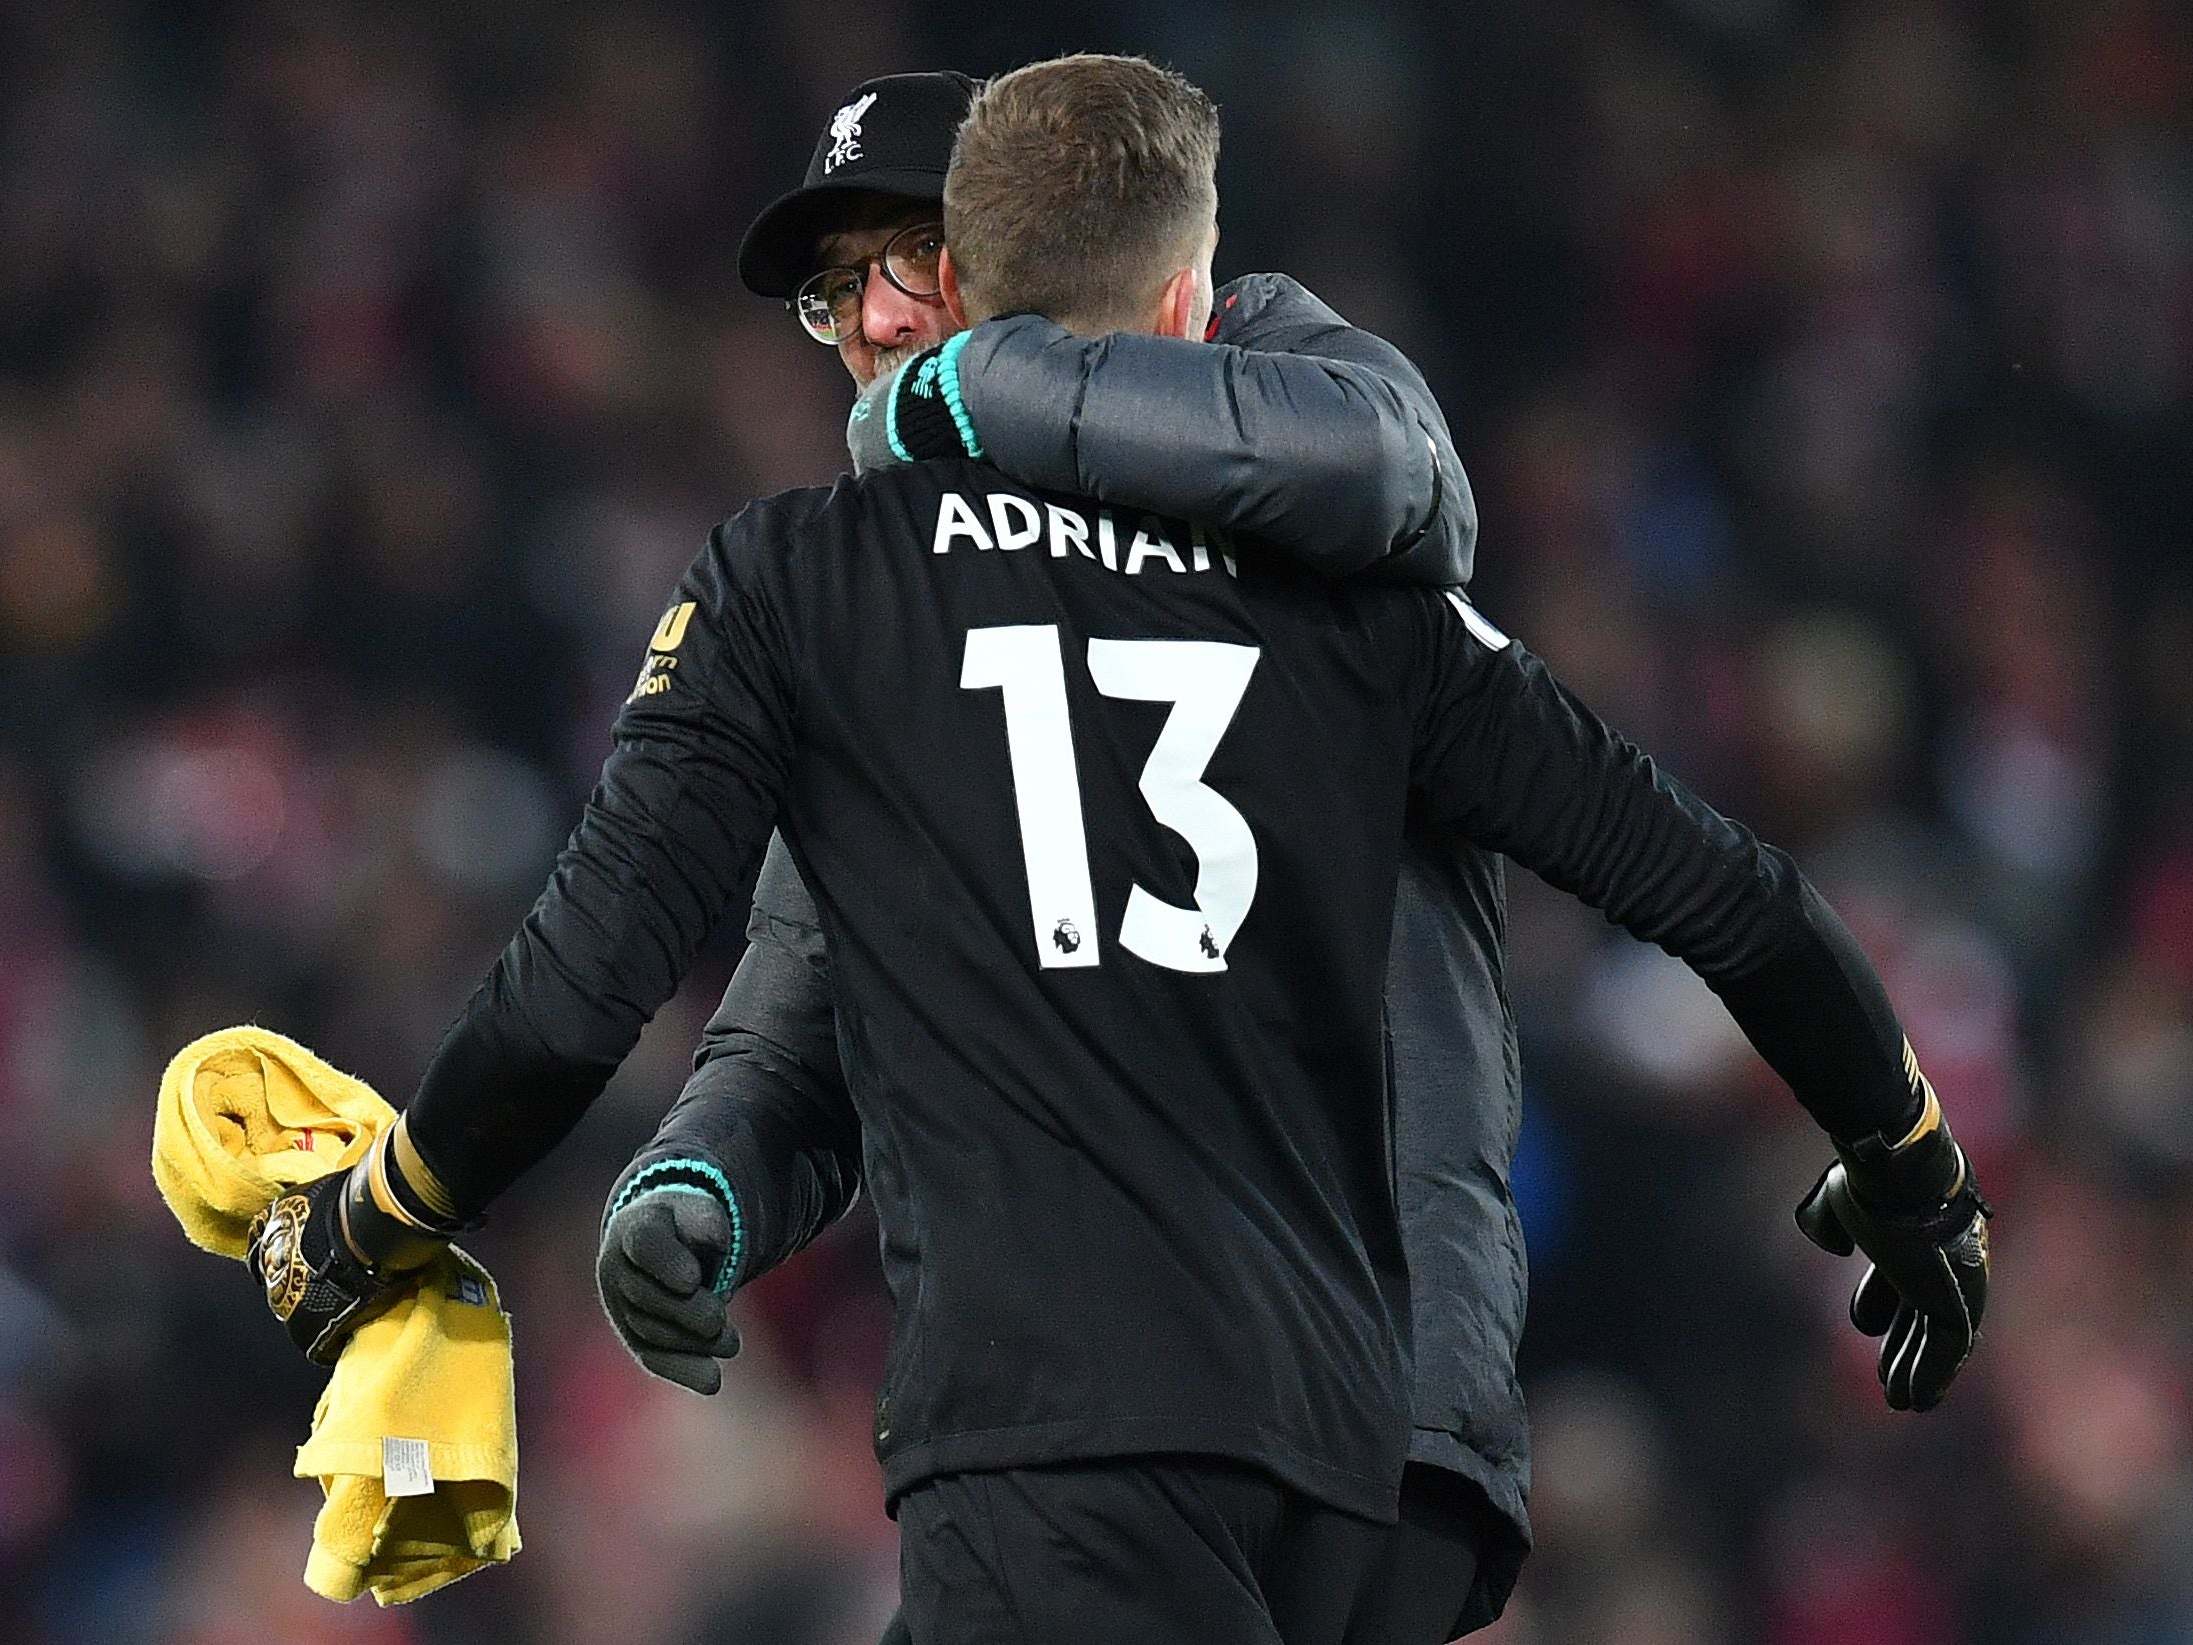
(1103, 830)
(1106, 863)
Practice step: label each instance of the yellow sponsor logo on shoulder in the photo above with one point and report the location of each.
(657, 672)
(670, 632)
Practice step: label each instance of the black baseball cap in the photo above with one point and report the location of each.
(892, 135)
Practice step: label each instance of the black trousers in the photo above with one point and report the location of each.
(1421, 1588)
(1147, 1551)
(1141, 1551)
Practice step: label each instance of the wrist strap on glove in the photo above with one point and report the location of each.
(1921, 1182)
(395, 1213)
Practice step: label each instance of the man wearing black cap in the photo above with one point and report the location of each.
(877, 177)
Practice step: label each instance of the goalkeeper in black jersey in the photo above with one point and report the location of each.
(1103, 817)
(1325, 443)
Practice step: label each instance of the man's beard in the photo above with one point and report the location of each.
(889, 360)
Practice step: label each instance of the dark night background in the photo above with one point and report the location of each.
(368, 374)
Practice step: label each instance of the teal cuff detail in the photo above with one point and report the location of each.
(721, 1192)
(948, 381)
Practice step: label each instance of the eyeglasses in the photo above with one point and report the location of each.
(828, 301)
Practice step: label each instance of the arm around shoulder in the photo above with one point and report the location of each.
(1294, 428)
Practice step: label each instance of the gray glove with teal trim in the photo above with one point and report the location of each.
(914, 414)
(671, 1253)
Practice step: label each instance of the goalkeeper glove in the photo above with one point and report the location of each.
(670, 1257)
(1914, 1209)
(338, 1251)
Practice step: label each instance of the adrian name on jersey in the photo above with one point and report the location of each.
(1005, 521)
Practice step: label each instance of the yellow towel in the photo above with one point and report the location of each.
(422, 1399)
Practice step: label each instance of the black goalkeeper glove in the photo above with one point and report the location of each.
(670, 1258)
(336, 1252)
(1913, 1207)
(914, 414)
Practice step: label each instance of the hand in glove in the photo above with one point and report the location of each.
(1913, 1208)
(338, 1251)
(914, 413)
(670, 1256)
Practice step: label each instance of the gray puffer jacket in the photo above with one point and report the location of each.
(1290, 426)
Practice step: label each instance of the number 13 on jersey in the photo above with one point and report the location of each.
(1204, 681)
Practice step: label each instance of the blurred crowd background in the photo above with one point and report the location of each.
(368, 373)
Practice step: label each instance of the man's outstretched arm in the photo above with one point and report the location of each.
(1507, 756)
(673, 832)
(671, 835)
(1291, 426)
